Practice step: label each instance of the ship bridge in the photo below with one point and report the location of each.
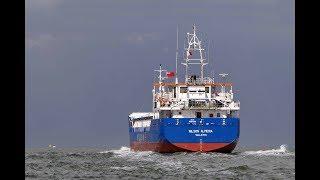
(197, 94)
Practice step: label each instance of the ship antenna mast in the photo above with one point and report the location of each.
(194, 44)
(160, 70)
(212, 67)
(177, 59)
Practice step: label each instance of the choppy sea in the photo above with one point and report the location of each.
(242, 163)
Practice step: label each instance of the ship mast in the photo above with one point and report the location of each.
(194, 44)
(177, 59)
(160, 70)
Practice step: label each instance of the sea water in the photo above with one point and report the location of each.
(122, 163)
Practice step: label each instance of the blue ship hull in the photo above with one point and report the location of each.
(186, 134)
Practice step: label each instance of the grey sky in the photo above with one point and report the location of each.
(89, 63)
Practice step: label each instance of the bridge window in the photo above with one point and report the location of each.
(210, 115)
(207, 89)
(218, 114)
(183, 89)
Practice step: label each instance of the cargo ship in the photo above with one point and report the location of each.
(196, 115)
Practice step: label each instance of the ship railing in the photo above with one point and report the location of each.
(187, 105)
(168, 101)
(207, 82)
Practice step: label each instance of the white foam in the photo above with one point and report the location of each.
(226, 172)
(169, 164)
(123, 149)
(281, 151)
(126, 152)
(126, 168)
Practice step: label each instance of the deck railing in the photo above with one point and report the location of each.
(185, 105)
(173, 84)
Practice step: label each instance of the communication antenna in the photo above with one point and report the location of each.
(194, 45)
(160, 70)
(209, 52)
(177, 57)
(212, 67)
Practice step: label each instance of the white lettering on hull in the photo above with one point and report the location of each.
(202, 132)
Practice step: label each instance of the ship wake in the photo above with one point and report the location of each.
(126, 152)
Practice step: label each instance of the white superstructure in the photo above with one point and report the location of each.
(197, 96)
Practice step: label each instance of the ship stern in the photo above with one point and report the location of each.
(201, 134)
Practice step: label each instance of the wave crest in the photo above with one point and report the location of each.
(282, 150)
(128, 153)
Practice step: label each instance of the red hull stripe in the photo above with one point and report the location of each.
(176, 147)
(205, 147)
